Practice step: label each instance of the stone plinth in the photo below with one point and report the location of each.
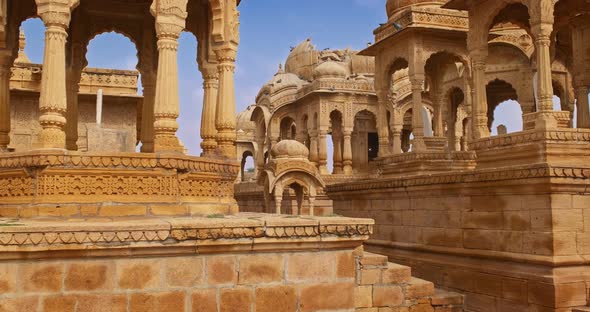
(114, 184)
(246, 262)
(513, 238)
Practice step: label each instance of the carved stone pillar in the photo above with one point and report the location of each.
(56, 15)
(313, 147)
(323, 152)
(278, 194)
(382, 128)
(347, 152)
(225, 120)
(5, 58)
(170, 21)
(417, 81)
(208, 131)
(542, 33)
(438, 115)
(582, 105)
(542, 41)
(148, 82)
(337, 140)
(479, 102)
(397, 139)
(73, 75)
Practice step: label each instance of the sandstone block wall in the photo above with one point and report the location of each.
(278, 281)
(508, 249)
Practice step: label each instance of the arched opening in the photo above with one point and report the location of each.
(365, 141)
(439, 67)
(26, 80)
(305, 131)
(190, 98)
(455, 129)
(247, 171)
(102, 54)
(503, 108)
(288, 129)
(336, 140)
(108, 107)
(31, 41)
(407, 132)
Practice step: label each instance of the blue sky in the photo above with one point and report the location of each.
(268, 29)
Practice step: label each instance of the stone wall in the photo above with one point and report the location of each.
(514, 243)
(276, 281)
(119, 127)
(240, 263)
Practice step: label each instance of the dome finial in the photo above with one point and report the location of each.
(22, 56)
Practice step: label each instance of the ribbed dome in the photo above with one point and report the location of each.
(394, 6)
(289, 149)
(330, 69)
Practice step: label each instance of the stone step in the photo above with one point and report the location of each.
(371, 259)
(418, 288)
(397, 274)
(442, 297)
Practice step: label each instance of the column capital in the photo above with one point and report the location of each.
(170, 17)
(417, 82)
(226, 53)
(209, 72)
(56, 12)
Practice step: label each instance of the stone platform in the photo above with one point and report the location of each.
(71, 182)
(512, 234)
(246, 262)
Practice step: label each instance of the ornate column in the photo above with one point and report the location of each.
(148, 82)
(73, 75)
(417, 81)
(480, 101)
(5, 65)
(337, 140)
(208, 131)
(397, 139)
(382, 128)
(347, 152)
(541, 28)
(583, 115)
(225, 120)
(542, 33)
(170, 21)
(313, 147)
(438, 115)
(323, 151)
(56, 15)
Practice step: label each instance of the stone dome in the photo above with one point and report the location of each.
(330, 69)
(289, 149)
(395, 6)
(281, 81)
(243, 121)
